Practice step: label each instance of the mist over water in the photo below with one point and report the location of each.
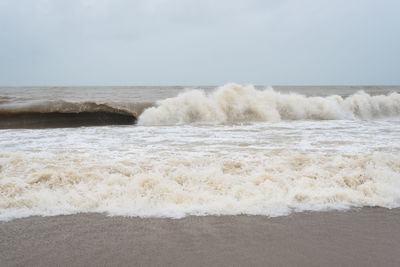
(231, 150)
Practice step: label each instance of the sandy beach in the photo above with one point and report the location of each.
(365, 237)
(199, 133)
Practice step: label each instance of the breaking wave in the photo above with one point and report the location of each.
(236, 103)
(48, 114)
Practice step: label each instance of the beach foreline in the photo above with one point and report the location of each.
(365, 237)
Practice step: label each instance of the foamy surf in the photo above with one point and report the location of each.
(272, 184)
(236, 103)
(270, 168)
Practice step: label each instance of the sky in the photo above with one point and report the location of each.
(199, 42)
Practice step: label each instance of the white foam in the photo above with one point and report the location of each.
(236, 103)
(267, 183)
(267, 168)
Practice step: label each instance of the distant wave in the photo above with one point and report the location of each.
(236, 103)
(45, 114)
(230, 103)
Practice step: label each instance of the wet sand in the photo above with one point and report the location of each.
(366, 237)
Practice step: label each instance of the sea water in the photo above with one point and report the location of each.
(198, 150)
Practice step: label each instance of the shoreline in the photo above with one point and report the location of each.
(366, 236)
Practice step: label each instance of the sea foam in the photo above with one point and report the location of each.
(236, 103)
(269, 183)
(299, 159)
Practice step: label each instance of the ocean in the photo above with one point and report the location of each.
(179, 151)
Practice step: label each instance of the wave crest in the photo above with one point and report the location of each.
(236, 103)
(49, 114)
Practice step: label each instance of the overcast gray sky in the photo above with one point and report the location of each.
(199, 42)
